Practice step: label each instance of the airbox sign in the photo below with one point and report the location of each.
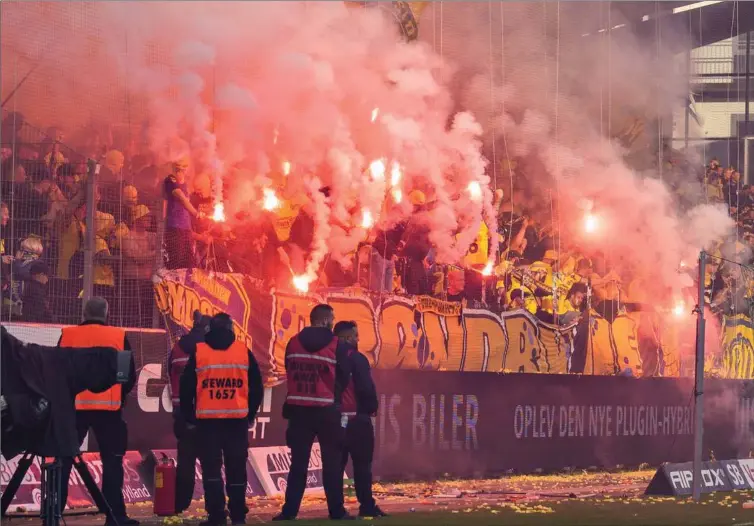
(272, 465)
(724, 475)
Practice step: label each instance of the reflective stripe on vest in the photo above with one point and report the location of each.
(93, 335)
(313, 356)
(311, 376)
(222, 366)
(317, 401)
(222, 389)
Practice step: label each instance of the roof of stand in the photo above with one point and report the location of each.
(706, 22)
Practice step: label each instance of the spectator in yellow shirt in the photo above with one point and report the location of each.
(54, 160)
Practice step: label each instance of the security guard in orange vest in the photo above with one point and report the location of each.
(317, 372)
(221, 389)
(102, 412)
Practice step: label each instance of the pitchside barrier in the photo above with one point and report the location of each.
(476, 424)
(472, 419)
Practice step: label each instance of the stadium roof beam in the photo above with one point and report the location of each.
(706, 22)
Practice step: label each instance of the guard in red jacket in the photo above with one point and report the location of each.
(359, 406)
(185, 434)
(316, 366)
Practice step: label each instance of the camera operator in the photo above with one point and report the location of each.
(103, 411)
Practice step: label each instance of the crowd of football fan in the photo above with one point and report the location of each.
(44, 224)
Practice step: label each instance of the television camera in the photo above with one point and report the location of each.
(37, 398)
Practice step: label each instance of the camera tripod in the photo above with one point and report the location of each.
(51, 508)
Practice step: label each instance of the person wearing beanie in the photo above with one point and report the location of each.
(220, 393)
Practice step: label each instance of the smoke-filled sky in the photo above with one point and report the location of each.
(245, 86)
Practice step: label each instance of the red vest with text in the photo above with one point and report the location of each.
(311, 375)
(178, 360)
(95, 336)
(348, 405)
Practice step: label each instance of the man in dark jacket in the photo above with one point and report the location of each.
(36, 304)
(221, 389)
(185, 434)
(317, 373)
(359, 406)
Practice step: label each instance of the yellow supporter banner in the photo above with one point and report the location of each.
(177, 299)
(600, 354)
(430, 304)
(414, 333)
(625, 334)
(737, 357)
(425, 333)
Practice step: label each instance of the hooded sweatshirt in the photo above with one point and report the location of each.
(219, 340)
(364, 390)
(314, 339)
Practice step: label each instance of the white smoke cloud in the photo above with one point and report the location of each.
(550, 99)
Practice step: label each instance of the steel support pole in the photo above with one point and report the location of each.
(688, 97)
(699, 382)
(747, 85)
(89, 245)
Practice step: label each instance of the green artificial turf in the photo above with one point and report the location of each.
(722, 509)
(713, 510)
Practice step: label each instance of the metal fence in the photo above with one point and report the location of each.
(44, 229)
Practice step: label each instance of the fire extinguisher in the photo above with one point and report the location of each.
(164, 487)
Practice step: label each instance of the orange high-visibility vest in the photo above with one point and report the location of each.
(310, 375)
(222, 389)
(96, 336)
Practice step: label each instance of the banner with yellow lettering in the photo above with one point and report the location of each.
(181, 292)
(404, 333)
(737, 357)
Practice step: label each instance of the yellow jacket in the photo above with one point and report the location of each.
(478, 252)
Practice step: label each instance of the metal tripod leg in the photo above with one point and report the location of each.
(93, 489)
(15, 482)
(52, 485)
(51, 510)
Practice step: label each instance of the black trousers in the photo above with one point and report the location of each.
(112, 436)
(224, 440)
(302, 430)
(360, 447)
(186, 468)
